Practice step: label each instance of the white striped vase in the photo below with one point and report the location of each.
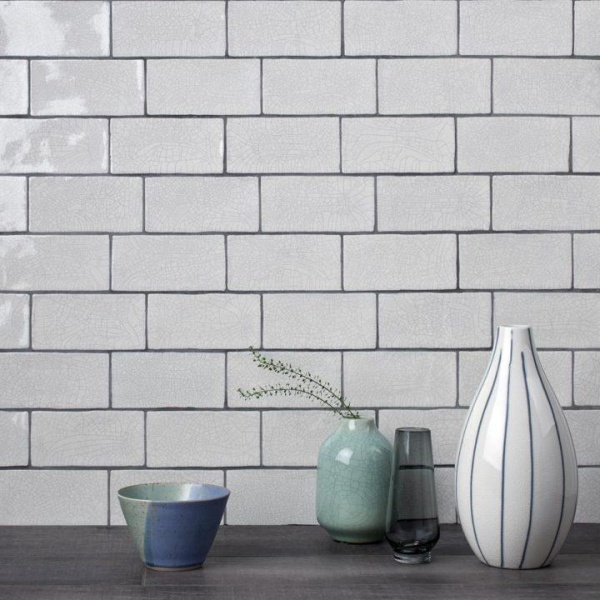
(516, 470)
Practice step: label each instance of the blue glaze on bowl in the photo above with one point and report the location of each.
(173, 524)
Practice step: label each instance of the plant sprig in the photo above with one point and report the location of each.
(303, 384)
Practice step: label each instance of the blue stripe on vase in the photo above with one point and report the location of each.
(531, 459)
(562, 456)
(503, 481)
(475, 455)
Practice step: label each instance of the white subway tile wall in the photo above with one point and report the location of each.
(365, 188)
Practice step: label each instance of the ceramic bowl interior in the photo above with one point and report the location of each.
(173, 492)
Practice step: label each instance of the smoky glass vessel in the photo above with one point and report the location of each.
(412, 521)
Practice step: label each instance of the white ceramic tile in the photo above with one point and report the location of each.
(546, 202)
(411, 27)
(510, 261)
(204, 87)
(392, 144)
(319, 321)
(168, 263)
(273, 497)
(453, 202)
(400, 379)
(395, 262)
(547, 86)
(586, 144)
(120, 478)
(203, 439)
(88, 322)
(166, 145)
(586, 251)
(430, 320)
(69, 498)
(202, 204)
(513, 27)
(243, 373)
(587, 22)
(14, 320)
(13, 204)
(61, 204)
(312, 87)
(584, 425)
(446, 495)
(317, 203)
(167, 380)
(87, 87)
(55, 28)
(204, 321)
(559, 319)
(169, 28)
(556, 365)
(295, 28)
(14, 439)
(53, 146)
(89, 438)
(445, 424)
(513, 144)
(54, 380)
(283, 145)
(427, 86)
(13, 83)
(587, 378)
(589, 488)
(282, 262)
(54, 262)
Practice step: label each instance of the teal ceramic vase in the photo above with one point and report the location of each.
(353, 480)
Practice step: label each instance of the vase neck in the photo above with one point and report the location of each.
(511, 338)
(360, 424)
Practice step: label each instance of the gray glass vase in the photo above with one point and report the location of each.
(412, 523)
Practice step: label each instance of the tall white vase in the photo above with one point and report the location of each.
(516, 470)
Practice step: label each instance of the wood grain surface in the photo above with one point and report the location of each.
(269, 563)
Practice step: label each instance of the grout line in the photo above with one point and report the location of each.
(145, 87)
(261, 437)
(30, 341)
(27, 205)
(570, 159)
(146, 296)
(377, 87)
(572, 378)
(342, 243)
(492, 86)
(572, 261)
(110, 29)
(110, 263)
(573, 27)
(491, 227)
(226, 251)
(261, 87)
(30, 424)
(260, 206)
(458, 27)
(29, 86)
(226, 28)
(457, 391)
(224, 145)
(457, 262)
(110, 380)
(375, 204)
(341, 170)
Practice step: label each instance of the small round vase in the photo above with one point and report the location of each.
(353, 480)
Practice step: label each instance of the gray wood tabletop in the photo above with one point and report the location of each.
(269, 563)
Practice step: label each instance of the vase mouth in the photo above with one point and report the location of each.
(513, 327)
(358, 423)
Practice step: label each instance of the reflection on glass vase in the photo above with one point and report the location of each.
(353, 479)
(412, 526)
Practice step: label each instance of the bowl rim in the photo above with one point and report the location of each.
(225, 492)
